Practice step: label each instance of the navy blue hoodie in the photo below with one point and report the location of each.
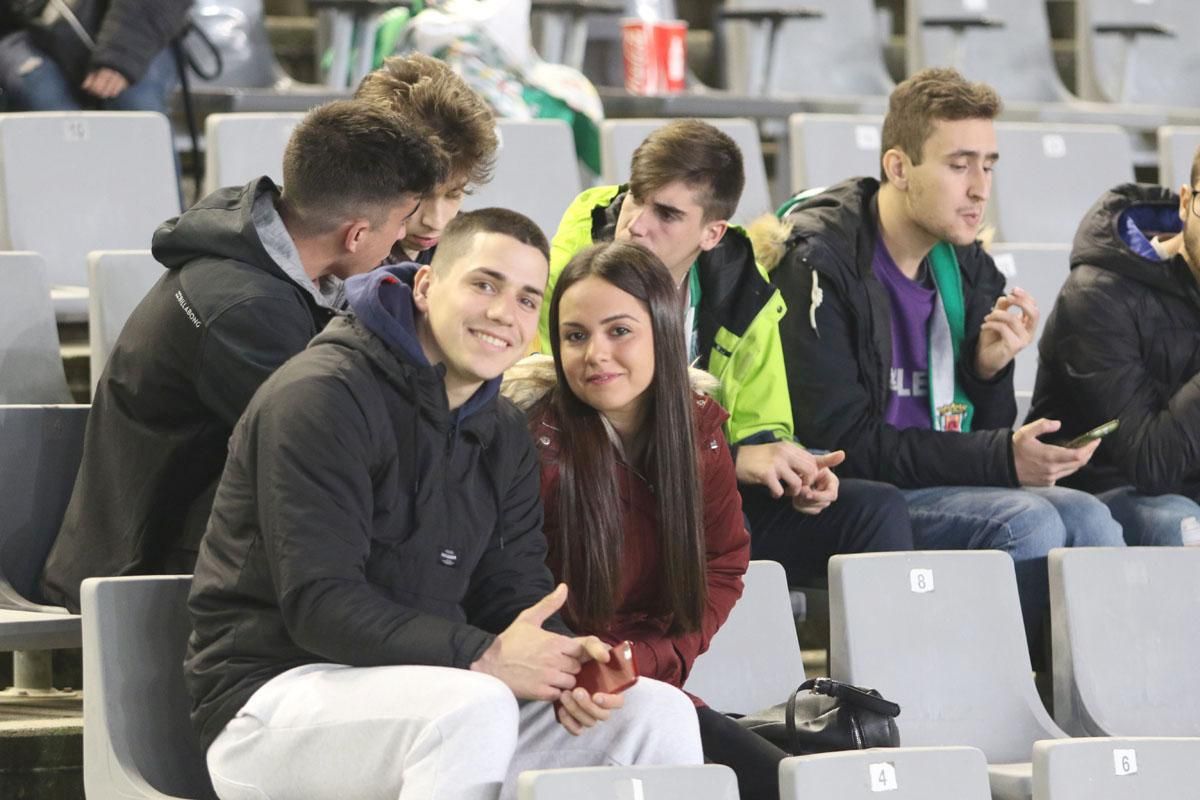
(359, 521)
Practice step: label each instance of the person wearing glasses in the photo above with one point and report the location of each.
(1123, 342)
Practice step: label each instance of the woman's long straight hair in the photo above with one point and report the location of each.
(590, 534)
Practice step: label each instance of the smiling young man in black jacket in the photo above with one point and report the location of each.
(899, 341)
(252, 274)
(370, 596)
(1123, 342)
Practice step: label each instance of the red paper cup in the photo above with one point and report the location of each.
(670, 49)
(637, 51)
(655, 56)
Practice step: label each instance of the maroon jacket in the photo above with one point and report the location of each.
(660, 656)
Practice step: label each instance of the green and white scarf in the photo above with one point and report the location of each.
(949, 406)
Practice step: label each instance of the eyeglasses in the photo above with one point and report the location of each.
(1195, 205)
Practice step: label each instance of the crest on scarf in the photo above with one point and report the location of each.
(950, 417)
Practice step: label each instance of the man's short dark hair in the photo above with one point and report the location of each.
(348, 160)
(460, 233)
(428, 95)
(929, 96)
(704, 158)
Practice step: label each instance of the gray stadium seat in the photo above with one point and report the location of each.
(1039, 269)
(901, 773)
(846, 35)
(251, 79)
(1115, 769)
(31, 367)
(536, 172)
(620, 137)
(117, 281)
(753, 662)
(1176, 148)
(940, 633)
(138, 740)
(828, 148)
(241, 147)
(42, 445)
(238, 30)
(1137, 52)
(72, 182)
(1126, 640)
(1048, 176)
(40, 448)
(701, 782)
(1005, 43)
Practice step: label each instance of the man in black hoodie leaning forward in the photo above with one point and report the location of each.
(253, 273)
(1123, 342)
(372, 613)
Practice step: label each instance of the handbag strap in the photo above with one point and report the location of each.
(790, 720)
(68, 15)
(862, 698)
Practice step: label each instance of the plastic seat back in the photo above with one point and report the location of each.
(1115, 769)
(829, 148)
(620, 137)
(1125, 640)
(1048, 176)
(904, 773)
(238, 29)
(31, 366)
(1041, 270)
(940, 633)
(117, 281)
(241, 147)
(753, 662)
(73, 182)
(1177, 146)
(1013, 55)
(536, 172)
(846, 35)
(39, 458)
(1137, 67)
(697, 782)
(138, 738)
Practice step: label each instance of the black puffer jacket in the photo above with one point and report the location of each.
(1123, 342)
(221, 319)
(839, 355)
(127, 34)
(360, 522)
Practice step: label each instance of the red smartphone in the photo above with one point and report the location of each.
(612, 677)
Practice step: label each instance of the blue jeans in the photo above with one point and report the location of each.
(1025, 523)
(1150, 520)
(32, 81)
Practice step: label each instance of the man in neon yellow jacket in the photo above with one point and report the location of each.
(686, 180)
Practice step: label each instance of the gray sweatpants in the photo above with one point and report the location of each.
(332, 731)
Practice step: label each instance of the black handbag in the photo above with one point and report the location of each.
(824, 715)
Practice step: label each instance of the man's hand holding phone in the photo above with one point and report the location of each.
(1042, 464)
(1095, 434)
(598, 685)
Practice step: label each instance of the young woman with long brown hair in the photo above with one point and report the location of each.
(643, 517)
